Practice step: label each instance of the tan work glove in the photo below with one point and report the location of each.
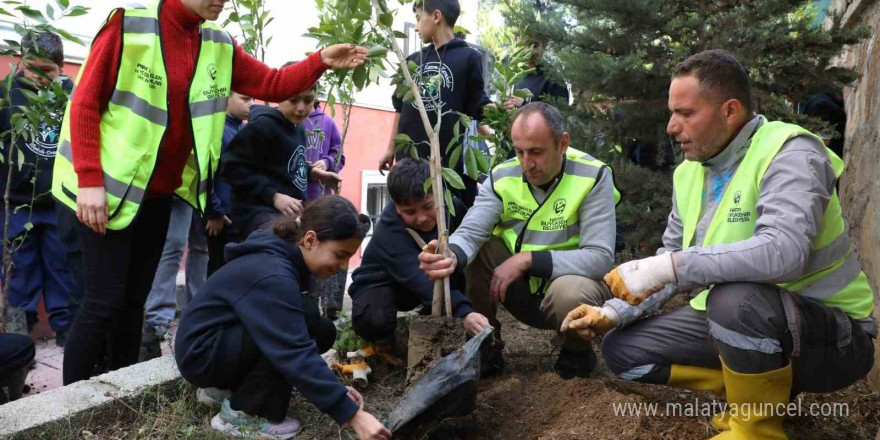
(587, 321)
(636, 280)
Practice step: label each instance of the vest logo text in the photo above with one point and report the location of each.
(520, 210)
(215, 92)
(737, 215)
(146, 75)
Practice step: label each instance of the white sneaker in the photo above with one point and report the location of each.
(239, 424)
(212, 396)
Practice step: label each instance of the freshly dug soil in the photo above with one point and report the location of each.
(430, 339)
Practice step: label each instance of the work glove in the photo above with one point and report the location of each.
(635, 281)
(587, 321)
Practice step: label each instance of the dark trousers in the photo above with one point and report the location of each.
(374, 311)
(39, 266)
(747, 326)
(216, 247)
(257, 387)
(68, 233)
(15, 353)
(120, 267)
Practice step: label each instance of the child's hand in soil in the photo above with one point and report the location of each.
(475, 323)
(368, 427)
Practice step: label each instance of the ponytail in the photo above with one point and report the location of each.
(331, 217)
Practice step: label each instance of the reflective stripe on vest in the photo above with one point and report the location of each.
(136, 118)
(832, 274)
(526, 225)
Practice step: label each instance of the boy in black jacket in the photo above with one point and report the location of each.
(39, 260)
(461, 89)
(389, 278)
(267, 167)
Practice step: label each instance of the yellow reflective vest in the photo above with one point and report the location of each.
(833, 275)
(554, 224)
(137, 116)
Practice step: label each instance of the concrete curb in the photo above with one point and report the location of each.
(69, 402)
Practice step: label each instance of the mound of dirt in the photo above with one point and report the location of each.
(430, 339)
(544, 407)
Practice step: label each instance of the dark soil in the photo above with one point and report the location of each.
(430, 339)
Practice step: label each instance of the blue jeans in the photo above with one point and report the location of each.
(39, 265)
(185, 227)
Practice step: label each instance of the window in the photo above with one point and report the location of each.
(374, 198)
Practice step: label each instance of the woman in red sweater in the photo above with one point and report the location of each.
(121, 264)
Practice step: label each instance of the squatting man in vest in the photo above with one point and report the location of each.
(539, 236)
(756, 228)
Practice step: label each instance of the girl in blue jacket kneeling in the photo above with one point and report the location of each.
(250, 336)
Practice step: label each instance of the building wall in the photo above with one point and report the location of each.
(860, 184)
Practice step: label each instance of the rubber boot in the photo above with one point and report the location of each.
(701, 379)
(751, 397)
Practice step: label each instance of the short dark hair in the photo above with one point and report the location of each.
(44, 45)
(450, 9)
(332, 217)
(551, 116)
(406, 181)
(720, 73)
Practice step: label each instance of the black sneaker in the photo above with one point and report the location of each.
(150, 344)
(571, 364)
(60, 338)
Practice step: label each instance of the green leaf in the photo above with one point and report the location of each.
(482, 162)
(451, 177)
(471, 163)
(399, 34)
(50, 11)
(77, 11)
(412, 66)
(33, 14)
(377, 51)
(408, 97)
(71, 37)
(427, 186)
(5, 12)
(448, 196)
(359, 77)
(386, 19)
(63, 4)
(20, 157)
(522, 93)
(455, 156)
(28, 226)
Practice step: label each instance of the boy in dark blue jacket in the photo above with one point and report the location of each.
(461, 89)
(39, 261)
(221, 198)
(267, 166)
(389, 278)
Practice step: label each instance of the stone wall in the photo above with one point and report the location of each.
(860, 185)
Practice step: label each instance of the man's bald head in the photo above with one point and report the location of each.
(540, 141)
(549, 115)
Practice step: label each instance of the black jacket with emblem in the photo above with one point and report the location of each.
(267, 156)
(461, 91)
(33, 177)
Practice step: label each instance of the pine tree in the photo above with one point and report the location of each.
(617, 56)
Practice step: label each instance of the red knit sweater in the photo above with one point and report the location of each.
(180, 41)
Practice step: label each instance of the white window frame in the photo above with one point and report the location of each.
(369, 178)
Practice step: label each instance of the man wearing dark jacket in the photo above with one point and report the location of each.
(221, 199)
(267, 167)
(39, 259)
(389, 278)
